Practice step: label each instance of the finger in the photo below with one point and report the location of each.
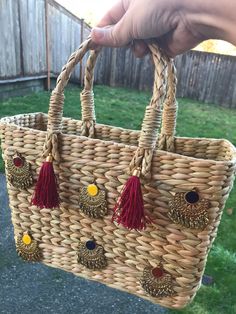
(113, 15)
(140, 48)
(178, 41)
(117, 35)
(94, 46)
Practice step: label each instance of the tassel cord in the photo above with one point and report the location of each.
(129, 209)
(46, 194)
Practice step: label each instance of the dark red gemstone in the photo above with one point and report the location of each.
(18, 162)
(157, 272)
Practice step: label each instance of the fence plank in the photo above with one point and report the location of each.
(32, 13)
(10, 63)
(65, 37)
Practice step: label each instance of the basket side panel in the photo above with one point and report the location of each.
(183, 251)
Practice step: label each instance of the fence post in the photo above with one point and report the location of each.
(81, 40)
(21, 43)
(47, 47)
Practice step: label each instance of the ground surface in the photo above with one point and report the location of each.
(26, 288)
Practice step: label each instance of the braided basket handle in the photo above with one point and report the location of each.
(152, 119)
(169, 115)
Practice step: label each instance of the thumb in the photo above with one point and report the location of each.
(113, 36)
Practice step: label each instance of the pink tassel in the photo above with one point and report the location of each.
(46, 194)
(129, 209)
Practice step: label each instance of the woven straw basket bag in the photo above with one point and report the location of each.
(137, 211)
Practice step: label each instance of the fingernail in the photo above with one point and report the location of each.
(98, 33)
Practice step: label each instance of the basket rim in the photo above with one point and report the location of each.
(157, 152)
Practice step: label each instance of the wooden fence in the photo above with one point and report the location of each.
(66, 32)
(207, 77)
(22, 37)
(37, 37)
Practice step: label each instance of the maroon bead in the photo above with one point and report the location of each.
(157, 272)
(18, 162)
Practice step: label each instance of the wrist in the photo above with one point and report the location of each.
(210, 19)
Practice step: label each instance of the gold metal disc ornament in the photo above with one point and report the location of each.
(92, 255)
(19, 172)
(93, 201)
(27, 248)
(189, 210)
(156, 282)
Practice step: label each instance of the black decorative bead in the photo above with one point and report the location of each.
(92, 255)
(192, 197)
(90, 245)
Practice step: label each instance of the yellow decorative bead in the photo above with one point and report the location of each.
(26, 239)
(92, 190)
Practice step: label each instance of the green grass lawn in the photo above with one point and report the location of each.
(125, 108)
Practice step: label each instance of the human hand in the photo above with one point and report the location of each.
(177, 25)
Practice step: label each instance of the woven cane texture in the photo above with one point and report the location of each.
(105, 155)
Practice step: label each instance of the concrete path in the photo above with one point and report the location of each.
(38, 289)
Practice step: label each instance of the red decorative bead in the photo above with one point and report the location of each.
(18, 162)
(157, 272)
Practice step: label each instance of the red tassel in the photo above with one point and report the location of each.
(46, 194)
(129, 209)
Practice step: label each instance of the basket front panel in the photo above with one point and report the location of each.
(183, 251)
